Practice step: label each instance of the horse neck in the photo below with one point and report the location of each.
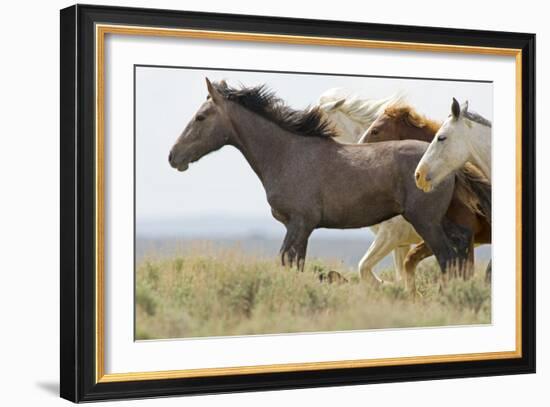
(426, 133)
(262, 142)
(479, 140)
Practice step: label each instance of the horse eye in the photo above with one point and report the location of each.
(441, 138)
(374, 132)
(199, 118)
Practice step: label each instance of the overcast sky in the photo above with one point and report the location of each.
(222, 185)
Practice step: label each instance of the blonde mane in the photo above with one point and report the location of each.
(473, 189)
(364, 111)
(409, 115)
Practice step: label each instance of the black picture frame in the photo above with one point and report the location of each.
(77, 149)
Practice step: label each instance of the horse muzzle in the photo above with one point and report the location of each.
(180, 165)
(423, 179)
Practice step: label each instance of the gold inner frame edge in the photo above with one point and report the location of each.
(100, 33)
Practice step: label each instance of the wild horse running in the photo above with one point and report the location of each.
(312, 181)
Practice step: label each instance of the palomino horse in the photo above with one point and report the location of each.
(313, 182)
(351, 115)
(464, 136)
(402, 122)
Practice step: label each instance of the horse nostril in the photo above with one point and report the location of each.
(417, 175)
(170, 157)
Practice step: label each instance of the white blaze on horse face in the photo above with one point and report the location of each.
(447, 152)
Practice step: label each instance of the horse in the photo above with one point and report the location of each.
(464, 136)
(402, 122)
(311, 181)
(351, 116)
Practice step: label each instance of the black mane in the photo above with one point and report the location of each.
(309, 122)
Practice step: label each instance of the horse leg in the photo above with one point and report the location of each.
(462, 241)
(283, 252)
(465, 268)
(382, 245)
(415, 256)
(301, 249)
(399, 256)
(295, 244)
(435, 237)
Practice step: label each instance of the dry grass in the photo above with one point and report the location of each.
(223, 293)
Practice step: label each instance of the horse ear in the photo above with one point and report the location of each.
(455, 108)
(334, 105)
(213, 92)
(464, 107)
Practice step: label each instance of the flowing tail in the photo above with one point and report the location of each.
(474, 190)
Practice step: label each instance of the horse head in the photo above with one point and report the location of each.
(207, 131)
(448, 151)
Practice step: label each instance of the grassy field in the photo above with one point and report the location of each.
(226, 292)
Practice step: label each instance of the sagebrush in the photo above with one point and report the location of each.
(225, 293)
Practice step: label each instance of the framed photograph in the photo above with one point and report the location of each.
(255, 203)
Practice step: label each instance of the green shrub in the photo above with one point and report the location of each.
(227, 293)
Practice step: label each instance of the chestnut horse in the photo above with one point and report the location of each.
(402, 122)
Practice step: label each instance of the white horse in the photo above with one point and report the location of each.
(352, 116)
(464, 136)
